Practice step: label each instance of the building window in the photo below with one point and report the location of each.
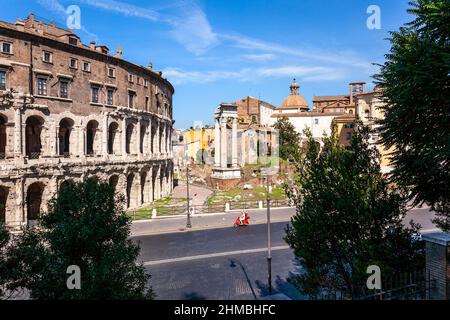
(147, 99)
(2, 80)
(131, 95)
(145, 83)
(349, 125)
(349, 136)
(73, 63)
(47, 57)
(130, 78)
(73, 41)
(63, 89)
(138, 80)
(94, 94)
(86, 66)
(316, 121)
(42, 86)
(111, 72)
(7, 47)
(110, 97)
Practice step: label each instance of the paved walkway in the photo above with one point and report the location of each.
(198, 194)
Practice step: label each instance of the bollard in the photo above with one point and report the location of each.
(154, 213)
(260, 205)
(227, 207)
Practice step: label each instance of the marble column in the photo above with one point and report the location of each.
(234, 143)
(223, 143)
(217, 143)
(56, 141)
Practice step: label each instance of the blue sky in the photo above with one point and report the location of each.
(223, 50)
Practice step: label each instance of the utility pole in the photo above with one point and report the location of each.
(269, 237)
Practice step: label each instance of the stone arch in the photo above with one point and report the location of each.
(143, 138)
(65, 137)
(153, 137)
(113, 138)
(143, 188)
(3, 135)
(155, 184)
(93, 138)
(33, 136)
(130, 139)
(132, 191)
(65, 183)
(113, 180)
(34, 200)
(4, 192)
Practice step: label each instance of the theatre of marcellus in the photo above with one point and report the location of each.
(69, 112)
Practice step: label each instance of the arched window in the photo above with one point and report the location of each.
(33, 129)
(92, 137)
(112, 140)
(34, 200)
(65, 130)
(129, 137)
(142, 138)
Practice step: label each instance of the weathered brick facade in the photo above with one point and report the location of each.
(70, 111)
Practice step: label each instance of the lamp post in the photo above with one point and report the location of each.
(188, 222)
(269, 236)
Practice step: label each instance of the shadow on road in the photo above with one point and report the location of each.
(233, 265)
(193, 296)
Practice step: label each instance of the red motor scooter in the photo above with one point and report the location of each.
(242, 223)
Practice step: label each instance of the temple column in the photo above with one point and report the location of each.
(217, 143)
(234, 144)
(223, 144)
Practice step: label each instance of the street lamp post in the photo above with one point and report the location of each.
(188, 222)
(269, 238)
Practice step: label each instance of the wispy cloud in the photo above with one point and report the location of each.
(123, 8)
(57, 7)
(312, 54)
(263, 57)
(189, 25)
(305, 73)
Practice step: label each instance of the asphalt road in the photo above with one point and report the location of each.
(218, 264)
(217, 261)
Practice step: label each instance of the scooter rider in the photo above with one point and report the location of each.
(243, 217)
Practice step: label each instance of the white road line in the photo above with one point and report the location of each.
(212, 255)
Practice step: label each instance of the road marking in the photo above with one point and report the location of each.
(212, 255)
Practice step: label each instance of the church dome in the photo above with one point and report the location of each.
(295, 100)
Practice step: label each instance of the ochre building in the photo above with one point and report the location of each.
(69, 112)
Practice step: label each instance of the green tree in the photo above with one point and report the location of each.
(347, 218)
(415, 84)
(289, 139)
(87, 227)
(4, 240)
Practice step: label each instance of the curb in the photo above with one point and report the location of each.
(178, 216)
(211, 227)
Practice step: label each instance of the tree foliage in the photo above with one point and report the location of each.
(348, 218)
(415, 84)
(289, 139)
(87, 227)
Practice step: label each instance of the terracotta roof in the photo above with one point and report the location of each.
(330, 98)
(294, 101)
(306, 114)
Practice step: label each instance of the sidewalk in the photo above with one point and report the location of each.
(206, 221)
